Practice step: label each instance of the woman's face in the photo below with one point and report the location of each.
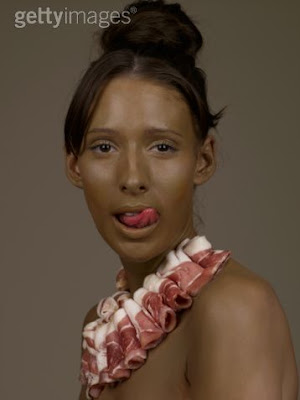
(141, 148)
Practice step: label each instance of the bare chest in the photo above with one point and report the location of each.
(162, 377)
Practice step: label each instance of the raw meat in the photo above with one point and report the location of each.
(154, 304)
(128, 326)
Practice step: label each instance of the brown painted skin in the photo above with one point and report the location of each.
(226, 346)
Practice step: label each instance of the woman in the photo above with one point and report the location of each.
(187, 321)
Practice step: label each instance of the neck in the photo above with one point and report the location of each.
(136, 271)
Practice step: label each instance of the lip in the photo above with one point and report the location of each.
(132, 208)
(134, 233)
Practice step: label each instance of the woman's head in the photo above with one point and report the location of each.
(159, 44)
(136, 132)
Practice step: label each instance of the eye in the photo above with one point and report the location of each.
(165, 147)
(104, 147)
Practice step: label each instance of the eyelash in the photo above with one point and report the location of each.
(172, 149)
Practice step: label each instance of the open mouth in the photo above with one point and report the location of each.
(138, 219)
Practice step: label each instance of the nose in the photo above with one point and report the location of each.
(133, 172)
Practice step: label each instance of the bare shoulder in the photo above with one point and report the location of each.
(91, 315)
(237, 294)
(237, 286)
(238, 328)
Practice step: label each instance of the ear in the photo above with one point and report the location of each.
(206, 161)
(72, 169)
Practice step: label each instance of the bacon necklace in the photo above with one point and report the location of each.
(117, 342)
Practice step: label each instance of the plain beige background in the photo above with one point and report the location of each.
(54, 264)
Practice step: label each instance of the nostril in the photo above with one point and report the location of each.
(132, 187)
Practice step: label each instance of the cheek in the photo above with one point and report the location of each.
(97, 186)
(176, 182)
(95, 175)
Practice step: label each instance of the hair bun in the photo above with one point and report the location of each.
(156, 29)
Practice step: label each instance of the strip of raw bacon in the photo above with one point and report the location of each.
(115, 354)
(101, 348)
(134, 355)
(93, 360)
(84, 369)
(190, 277)
(215, 260)
(153, 302)
(100, 345)
(148, 331)
(185, 273)
(104, 377)
(95, 391)
(93, 370)
(173, 296)
(120, 296)
(90, 375)
(106, 307)
(89, 332)
(197, 248)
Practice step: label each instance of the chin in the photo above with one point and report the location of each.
(137, 252)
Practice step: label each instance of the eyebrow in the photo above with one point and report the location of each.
(151, 130)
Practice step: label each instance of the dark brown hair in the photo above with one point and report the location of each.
(160, 44)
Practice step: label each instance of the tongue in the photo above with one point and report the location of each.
(146, 217)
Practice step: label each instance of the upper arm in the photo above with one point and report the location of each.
(90, 316)
(236, 350)
(82, 395)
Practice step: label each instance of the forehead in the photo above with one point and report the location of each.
(134, 101)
